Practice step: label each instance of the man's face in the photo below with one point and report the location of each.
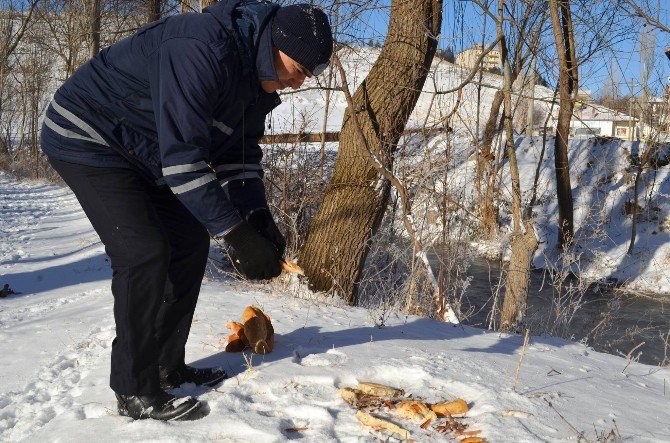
(291, 74)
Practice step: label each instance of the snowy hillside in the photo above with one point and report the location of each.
(55, 338)
(602, 176)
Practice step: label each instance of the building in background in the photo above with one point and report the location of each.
(468, 58)
(596, 120)
(583, 97)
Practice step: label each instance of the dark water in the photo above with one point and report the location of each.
(606, 319)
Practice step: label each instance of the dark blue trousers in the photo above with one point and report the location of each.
(158, 252)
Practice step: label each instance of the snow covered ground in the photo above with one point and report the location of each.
(55, 339)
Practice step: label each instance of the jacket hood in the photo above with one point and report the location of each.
(247, 21)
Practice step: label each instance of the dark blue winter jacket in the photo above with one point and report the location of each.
(180, 101)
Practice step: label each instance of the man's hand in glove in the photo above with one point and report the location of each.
(258, 257)
(263, 222)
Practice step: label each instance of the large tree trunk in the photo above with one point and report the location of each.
(567, 84)
(357, 195)
(515, 303)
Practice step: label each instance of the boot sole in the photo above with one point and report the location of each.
(184, 416)
(216, 381)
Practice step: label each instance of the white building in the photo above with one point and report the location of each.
(595, 120)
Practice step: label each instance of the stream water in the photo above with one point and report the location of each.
(606, 320)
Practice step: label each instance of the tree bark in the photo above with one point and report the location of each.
(339, 236)
(95, 26)
(523, 246)
(153, 10)
(205, 3)
(567, 85)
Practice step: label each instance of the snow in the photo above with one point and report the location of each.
(55, 339)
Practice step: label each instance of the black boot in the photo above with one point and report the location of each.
(171, 378)
(161, 406)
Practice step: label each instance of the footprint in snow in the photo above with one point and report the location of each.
(330, 358)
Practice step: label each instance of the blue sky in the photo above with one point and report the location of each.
(463, 25)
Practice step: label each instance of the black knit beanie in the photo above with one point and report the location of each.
(303, 33)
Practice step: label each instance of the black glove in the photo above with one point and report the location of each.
(257, 256)
(263, 222)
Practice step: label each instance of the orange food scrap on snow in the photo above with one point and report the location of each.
(458, 406)
(414, 410)
(255, 331)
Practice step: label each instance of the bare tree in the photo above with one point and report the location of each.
(561, 19)
(15, 18)
(526, 33)
(69, 28)
(357, 195)
(524, 245)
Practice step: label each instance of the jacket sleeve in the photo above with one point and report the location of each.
(239, 169)
(189, 80)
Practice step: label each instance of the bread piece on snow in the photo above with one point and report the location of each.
(458, 406)
(380, 390)
(414, 410)
(378, 423)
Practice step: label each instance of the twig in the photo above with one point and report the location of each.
(629, 356)
(579, 434)
(523, 352)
